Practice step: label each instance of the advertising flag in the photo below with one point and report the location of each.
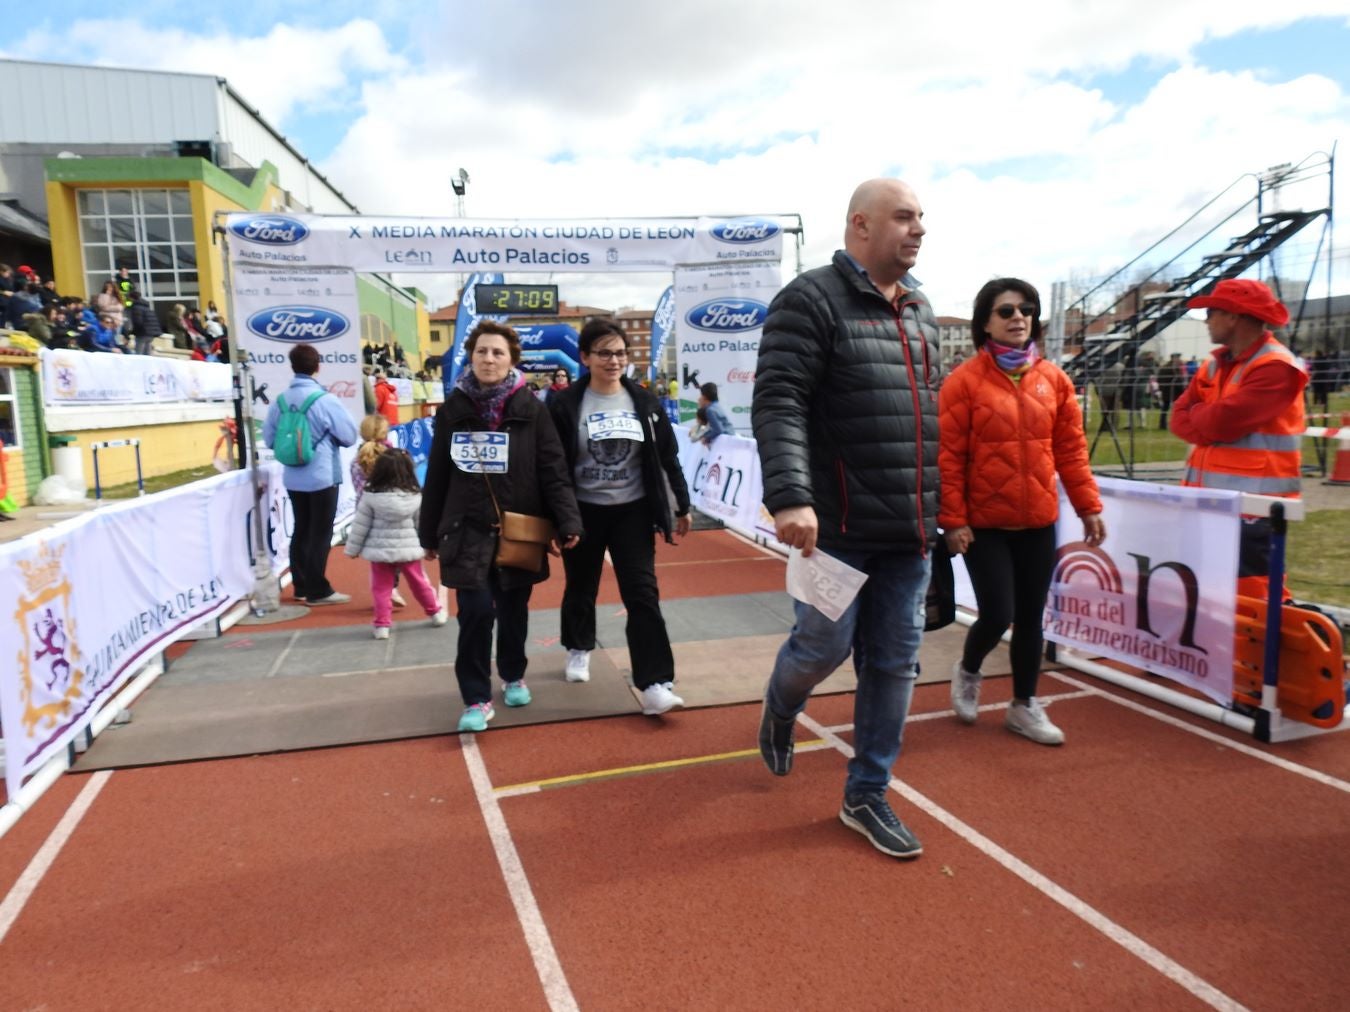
(466, 318)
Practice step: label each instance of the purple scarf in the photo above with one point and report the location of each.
(1013, 359)
(490, 402)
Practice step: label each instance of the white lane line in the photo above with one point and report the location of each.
(1132, 943)
(46, 856)
(1291, 767)
(546, 965)
(986, 708)
(281, 657)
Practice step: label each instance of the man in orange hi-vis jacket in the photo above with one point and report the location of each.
(1243, 413)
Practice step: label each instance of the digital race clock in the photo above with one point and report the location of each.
(516, 299)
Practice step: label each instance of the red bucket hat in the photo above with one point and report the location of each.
(1246, 298)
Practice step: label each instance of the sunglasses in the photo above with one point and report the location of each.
(1027, 309)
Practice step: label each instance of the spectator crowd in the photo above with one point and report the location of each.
(117, 320)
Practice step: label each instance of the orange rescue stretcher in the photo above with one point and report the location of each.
(1311, 684)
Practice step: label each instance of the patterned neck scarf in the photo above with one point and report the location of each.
(1012, 359)
(490, 402)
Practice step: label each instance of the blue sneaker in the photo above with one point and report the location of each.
(871, 815)
(516, 694)
(476, 717)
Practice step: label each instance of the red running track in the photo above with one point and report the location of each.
(1149, 863)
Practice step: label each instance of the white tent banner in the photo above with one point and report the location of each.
(176, 559)
(77, 377)
(719, 314)
(1160, 593)
(430, 245)
(277, 309)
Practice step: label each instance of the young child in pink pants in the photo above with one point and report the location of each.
(384, 533)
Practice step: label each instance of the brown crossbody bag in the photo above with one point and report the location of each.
(522, 539)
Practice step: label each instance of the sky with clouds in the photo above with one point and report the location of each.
(1054, 140)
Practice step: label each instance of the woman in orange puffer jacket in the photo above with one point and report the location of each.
(1010, 420)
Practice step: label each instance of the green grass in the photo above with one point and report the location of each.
(1318, 558)
(159, 482)
(1153, 446)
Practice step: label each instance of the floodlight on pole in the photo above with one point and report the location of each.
(460, 184)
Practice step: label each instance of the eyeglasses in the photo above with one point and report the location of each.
(611, 354)
(1027, 309)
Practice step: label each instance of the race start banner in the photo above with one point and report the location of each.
(1159, 593)
(431, 245)
(277, 309)
(719, 314)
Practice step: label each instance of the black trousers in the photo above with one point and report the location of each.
(1010, 572)
(313, 537)
(478, 610)
(627, 532)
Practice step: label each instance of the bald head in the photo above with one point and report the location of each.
(874, 191)
(884, 229)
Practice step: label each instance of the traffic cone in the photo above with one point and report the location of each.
(1340, 471)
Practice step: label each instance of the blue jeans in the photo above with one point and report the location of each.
(882, 627)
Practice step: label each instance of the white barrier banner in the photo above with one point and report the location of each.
(81, 377)
(719, 314)
(175, 559)
(722, 481)
(585, 245)
(277, 309)
(1159, 594)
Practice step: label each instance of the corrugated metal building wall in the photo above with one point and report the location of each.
(87, 109)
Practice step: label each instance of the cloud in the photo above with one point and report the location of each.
(597, 109)
(287, 69)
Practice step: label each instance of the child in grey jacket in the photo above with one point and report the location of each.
(384, 533)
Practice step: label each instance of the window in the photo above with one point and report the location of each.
(149, 232)
(374, 330)
(9, 414)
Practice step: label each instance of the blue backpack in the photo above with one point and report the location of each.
(293, 444)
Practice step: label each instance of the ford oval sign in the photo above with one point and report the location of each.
(744, 230)
(727, 316)
(270, 229)
(298, 323)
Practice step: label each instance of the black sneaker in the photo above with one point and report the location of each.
(775, 741)
(870, 815)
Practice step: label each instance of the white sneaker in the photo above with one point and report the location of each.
(578, 666)
(658, 698)
(396, 599)
(381, 632)
(965, 693)
(440, 618)
(1030, 721)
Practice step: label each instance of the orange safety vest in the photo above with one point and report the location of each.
(1265, 462)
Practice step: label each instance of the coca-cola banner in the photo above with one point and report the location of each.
(277, 309)
(719, 313)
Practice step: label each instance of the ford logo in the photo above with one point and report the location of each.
(743, 230)
(727, 316)
(298, 323)
(270, 229)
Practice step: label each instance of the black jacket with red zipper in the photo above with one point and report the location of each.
(845, 410)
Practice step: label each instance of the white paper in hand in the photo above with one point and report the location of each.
(823, 582)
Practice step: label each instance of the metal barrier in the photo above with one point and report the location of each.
(136, 445)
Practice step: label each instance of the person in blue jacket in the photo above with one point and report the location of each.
(313, 486)
(719, 422)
